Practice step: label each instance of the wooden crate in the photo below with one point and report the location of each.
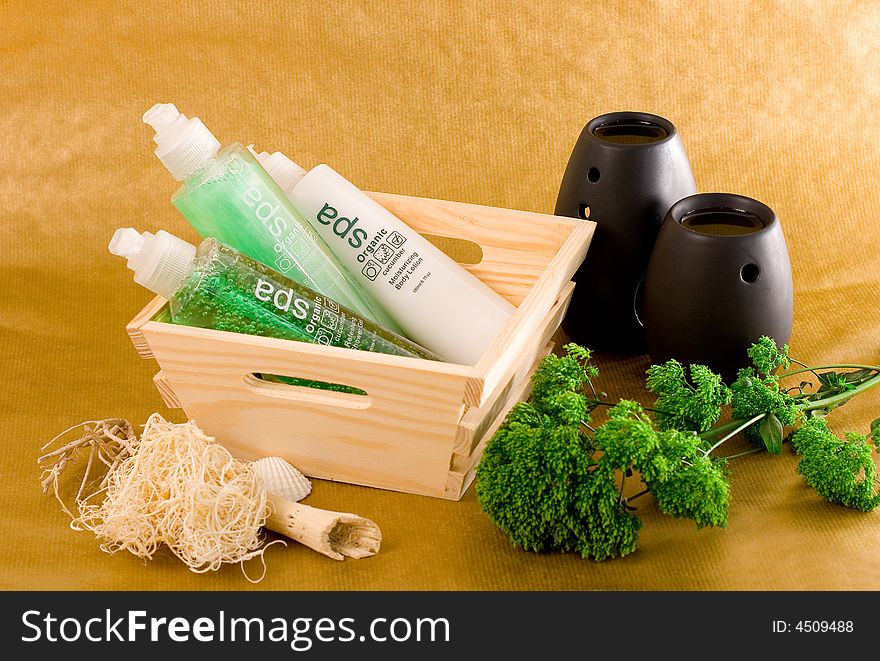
(422, 425)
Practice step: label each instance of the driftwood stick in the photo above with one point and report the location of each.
(334, 534)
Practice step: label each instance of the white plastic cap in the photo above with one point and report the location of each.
(184, 145)
(285, 172)
(160, 261)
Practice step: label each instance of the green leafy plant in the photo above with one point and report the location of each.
(553, 481)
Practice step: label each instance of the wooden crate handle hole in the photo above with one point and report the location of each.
(307, 391)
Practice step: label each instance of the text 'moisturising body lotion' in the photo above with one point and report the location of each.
(436, 302)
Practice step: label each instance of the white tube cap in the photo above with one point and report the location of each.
(284, 171)
(184, 145)
(160, 261)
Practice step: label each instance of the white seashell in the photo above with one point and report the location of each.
(280, 478)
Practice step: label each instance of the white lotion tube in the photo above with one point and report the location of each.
(436, 302)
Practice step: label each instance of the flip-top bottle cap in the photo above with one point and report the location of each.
(160, 261)
(284, 171)
(184, 144)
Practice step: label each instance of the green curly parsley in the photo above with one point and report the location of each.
(551, 481)
(756, 392)
(841, 471)
(683, 404)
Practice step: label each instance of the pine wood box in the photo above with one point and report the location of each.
(422, 425)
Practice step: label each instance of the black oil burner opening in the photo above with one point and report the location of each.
(631, 128)
(722, 214)
(722, 221)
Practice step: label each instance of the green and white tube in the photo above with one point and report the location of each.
(215, 286)
(226, 194)
(436, 301)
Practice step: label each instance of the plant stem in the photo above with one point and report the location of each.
(843, 396)
(736, 431)
(648, 408)
(602, 402)
(589, 382)
(844, 366)
(721, 429)
(638, 495)
(806, 367)
(743, 454)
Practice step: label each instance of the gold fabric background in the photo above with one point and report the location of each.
(479, 102)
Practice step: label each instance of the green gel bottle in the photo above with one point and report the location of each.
(226, 194)
(214, 286)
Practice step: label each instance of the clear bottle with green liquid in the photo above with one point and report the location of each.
(226, 194)
(215, 286)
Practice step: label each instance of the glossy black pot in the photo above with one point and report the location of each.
(719, 278)
(624, 173)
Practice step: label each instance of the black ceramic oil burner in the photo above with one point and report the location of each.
(719, 278)
(626, 170)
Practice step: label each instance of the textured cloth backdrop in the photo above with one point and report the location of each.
(479, 102)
